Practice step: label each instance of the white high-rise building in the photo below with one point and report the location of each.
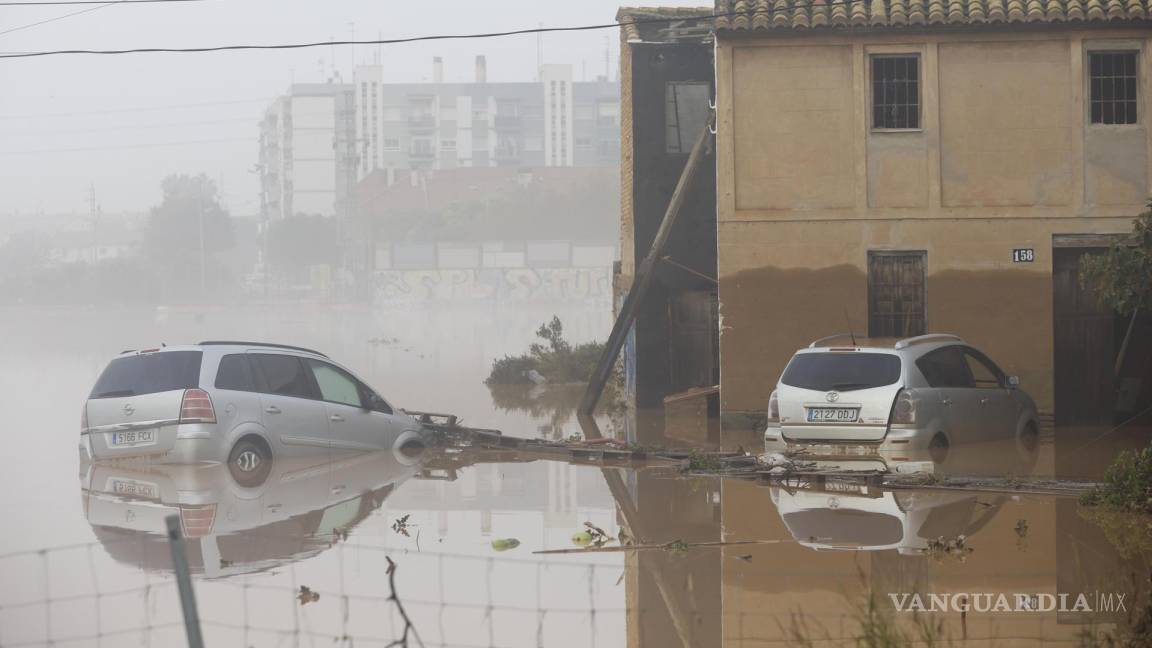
(307, 157)
(442, 125)
(558, 101)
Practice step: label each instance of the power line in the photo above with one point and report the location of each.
(45, 22)
(122, 127)
(392, 41)
(140, 109)
(127, 146)
(101, 5)
(86, 2)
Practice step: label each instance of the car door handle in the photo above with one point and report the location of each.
(336, 418)
(272, 409)
(946, 402)
(983, 401)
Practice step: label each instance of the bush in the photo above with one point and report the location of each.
(511, 370)
(1127, 484)
(557, 360)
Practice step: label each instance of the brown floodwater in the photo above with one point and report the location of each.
(713, 562)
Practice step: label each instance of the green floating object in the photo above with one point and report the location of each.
(504, 544)
(582, 538)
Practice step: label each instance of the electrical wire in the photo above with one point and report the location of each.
(67, 15)
(126, 146)
(394, 41)
(141, 109)
(86, 2)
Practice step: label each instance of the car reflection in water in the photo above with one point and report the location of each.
(848, 515)
(238, 523)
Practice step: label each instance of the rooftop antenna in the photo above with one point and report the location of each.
(849, 322)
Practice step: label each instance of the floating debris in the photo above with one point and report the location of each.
(941, 548)
(306, 595)
(504, 544)
(402, 526)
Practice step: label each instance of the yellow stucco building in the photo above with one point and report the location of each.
(910, 166)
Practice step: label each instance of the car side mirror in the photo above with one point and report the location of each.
(1013, 382)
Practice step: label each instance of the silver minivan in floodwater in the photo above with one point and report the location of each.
(926, 393)
(237, 402)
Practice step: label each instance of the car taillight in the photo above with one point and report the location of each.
(197, 407)
(84, 419)
(197, 520)
(773, 408)
(904, 409)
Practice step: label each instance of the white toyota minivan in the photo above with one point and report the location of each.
(929, 392)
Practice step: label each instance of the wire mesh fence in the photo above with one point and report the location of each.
(76, 595)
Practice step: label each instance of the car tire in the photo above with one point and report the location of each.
(1028, 446)
(250, 462)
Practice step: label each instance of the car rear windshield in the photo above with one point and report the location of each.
(842, 371)
(149, 373)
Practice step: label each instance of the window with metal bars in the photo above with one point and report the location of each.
(895, 91)
(1112, 95)
(896, 294)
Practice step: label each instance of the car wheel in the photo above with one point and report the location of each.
(250, 462)
(1028, 445)
(938, 448)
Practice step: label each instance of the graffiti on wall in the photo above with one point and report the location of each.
(493, 285)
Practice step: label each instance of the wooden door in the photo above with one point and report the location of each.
(1085, 345)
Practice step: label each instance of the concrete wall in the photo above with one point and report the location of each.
(1005, 159)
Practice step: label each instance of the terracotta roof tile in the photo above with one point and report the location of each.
(812, 14)
(665, 24)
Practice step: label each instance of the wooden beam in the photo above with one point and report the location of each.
(643, 279)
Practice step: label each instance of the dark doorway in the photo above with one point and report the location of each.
(896, 300)
(692, 353)
(1084, 335)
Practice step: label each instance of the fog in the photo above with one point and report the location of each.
(122, 123)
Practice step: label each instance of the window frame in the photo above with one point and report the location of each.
(957, 349)
(684, 146)
(1001, 377)
(871, 56)
(923, 255)
(262, 380)
(1112, 47)
(254, 382)
(361, 389)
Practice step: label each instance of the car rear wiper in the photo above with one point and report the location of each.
(115, 393)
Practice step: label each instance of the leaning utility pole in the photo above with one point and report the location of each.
(643, 278)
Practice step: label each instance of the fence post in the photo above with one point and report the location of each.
(184, 582)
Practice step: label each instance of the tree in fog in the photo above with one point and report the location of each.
(185, 234)
(300, 241)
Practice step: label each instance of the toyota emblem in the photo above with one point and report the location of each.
(832, 396)
(128, 409)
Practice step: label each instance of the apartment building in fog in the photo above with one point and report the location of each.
(554, 121)
(307, 159)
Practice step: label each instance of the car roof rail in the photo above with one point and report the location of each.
(830, 338)
(260, 344)
(931, 337)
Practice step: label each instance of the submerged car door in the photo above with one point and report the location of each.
(352, 423)
(998, 411)
(947, 373)
(291, 410)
